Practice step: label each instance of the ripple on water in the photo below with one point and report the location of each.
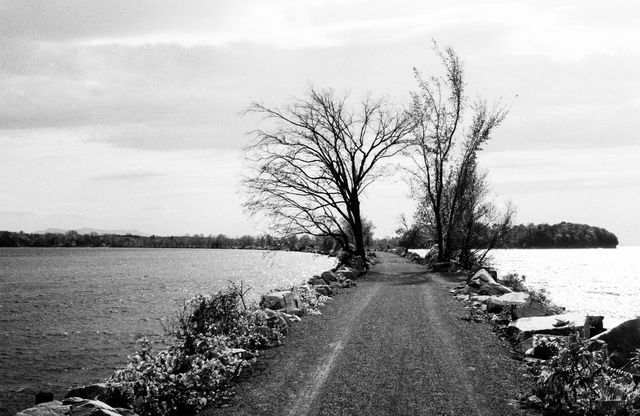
(72, 316)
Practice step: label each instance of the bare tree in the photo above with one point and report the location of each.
(445, 151)
(311, 167)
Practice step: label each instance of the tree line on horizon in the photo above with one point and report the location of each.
(261, 242)
(561, 235)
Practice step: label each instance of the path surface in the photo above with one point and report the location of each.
(394, 346)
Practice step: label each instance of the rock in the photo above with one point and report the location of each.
(44, 397)
(482, 276)
(348, 283)
(492, 289)
(316, 280)
(75, 406)
(54, 408)
(293, 317)
(480, 298)
(277, 316)
(324, 290)
(107, 393)
(531, 309)
(495, 304)
(348, 273)
(564, 324)
(286, 300)
(329, 276)
(622, 341)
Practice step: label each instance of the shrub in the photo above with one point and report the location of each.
(211, 338)
(516, 283)
(579, 381)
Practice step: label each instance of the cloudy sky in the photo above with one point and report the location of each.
(125, 114)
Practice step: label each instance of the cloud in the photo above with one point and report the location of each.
(127, 176)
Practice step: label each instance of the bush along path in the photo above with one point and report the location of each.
(212, 341)
(394, 346)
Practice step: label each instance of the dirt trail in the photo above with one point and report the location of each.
(393, 346)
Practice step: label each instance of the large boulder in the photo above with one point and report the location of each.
(564, 324)
(286, 299)
(622, 341)
(488, 289)
(482, 275)
(531, 309)
(516, 300)
(75, 406)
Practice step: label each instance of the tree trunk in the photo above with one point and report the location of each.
(357, 231)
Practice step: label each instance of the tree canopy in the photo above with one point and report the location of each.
(310, 168)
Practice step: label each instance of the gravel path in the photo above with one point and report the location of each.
(393, 346)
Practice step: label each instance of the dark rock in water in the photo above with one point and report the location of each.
(44, 397)
(622, 341)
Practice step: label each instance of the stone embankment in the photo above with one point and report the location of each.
(530, 321)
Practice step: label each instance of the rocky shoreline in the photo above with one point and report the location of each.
(540, 331)
(277, 312)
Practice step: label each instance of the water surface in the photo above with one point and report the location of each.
(72, 315)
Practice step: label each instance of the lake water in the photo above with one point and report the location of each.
(72, 315)
(596, 281)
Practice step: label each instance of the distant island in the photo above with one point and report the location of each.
(562, 235)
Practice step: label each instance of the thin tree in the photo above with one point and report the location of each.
(445, 149)
(310, 168)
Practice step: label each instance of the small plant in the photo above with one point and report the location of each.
(514, 281)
